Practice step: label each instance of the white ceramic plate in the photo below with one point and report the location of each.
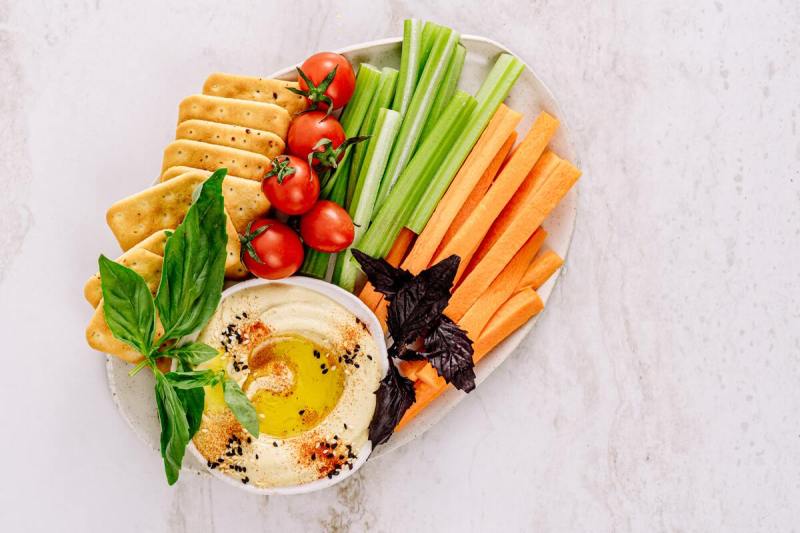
(134, 396)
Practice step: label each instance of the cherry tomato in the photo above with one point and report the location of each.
(290, 185)
(318, 88)
(327, 227)
(271, 250)
(307, 130)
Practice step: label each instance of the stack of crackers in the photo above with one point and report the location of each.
(239, 123)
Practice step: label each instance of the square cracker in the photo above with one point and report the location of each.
(164, 206)
(207, 156)
(145, 263)
(258, 115)
(259, 142)
(244, 200)
(257, 89)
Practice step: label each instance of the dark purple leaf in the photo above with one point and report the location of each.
(449, 350)
(418, 305)
(393, 398)
(384, 277)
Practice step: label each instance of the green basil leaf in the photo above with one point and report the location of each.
(194, 264)
(194, 353)
(193, 401)
(191, 379)
(174, 427)
(127, 305)
(242, 409)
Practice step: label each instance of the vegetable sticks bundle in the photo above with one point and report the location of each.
(491, 216)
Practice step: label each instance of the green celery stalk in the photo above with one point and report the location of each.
(429, 84)
(382, 98)
(353, 116)
(428, 34)
(380, 146)
(493, 91)
(394, 213)
(449, 86)
(315, 263)
(409, 64)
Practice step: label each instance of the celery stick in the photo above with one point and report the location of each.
(392, 216)
(409, 64)
(449, 86)
(413, 121)
(353, 116)
(493, 91)
(382, 98)
(428, 34)
(315, 263)
(386, 127)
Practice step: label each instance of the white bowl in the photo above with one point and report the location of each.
(134, 396)
(365, 314)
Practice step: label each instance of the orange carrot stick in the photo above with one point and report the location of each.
(546, 164)
(501, 289)
(479, 191)
(541, 203)
(368, 294)
(539, 271)
(469, 175)
(511, 316)
(471, 233)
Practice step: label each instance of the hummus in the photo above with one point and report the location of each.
(309, 366)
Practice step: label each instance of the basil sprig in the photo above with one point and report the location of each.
(190, 290)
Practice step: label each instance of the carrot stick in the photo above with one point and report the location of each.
(514, 313)
(502, 288)
(471, 233)
(546, 164)
(471, 172)
(401, 245)
(539, 271)
(368, 294)
(528, 217)
(479, 191)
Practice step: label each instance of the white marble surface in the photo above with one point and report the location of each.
(659, 391)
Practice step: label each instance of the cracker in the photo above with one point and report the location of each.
(145, 263)
(258, 115)
(244, 200)
(161, 206)
(173, 172)
(257, 89)
(260, 142)
(154, 243)
(211, 157)
(164, 206)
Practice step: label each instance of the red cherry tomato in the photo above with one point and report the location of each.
(323, 92)
(327, 227)
(307, 130)
(290, 185)
(271, 250)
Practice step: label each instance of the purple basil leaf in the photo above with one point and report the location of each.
(449, 350)
(393, 398)
(384, 277)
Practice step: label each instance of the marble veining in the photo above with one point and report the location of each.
(657, 392)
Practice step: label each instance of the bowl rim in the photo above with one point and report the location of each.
(350, 302)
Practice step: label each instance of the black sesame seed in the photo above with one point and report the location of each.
(275, 444)
(325, 371)
(345, 426)
(369, 357)
(301, 412)
(313, 457)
